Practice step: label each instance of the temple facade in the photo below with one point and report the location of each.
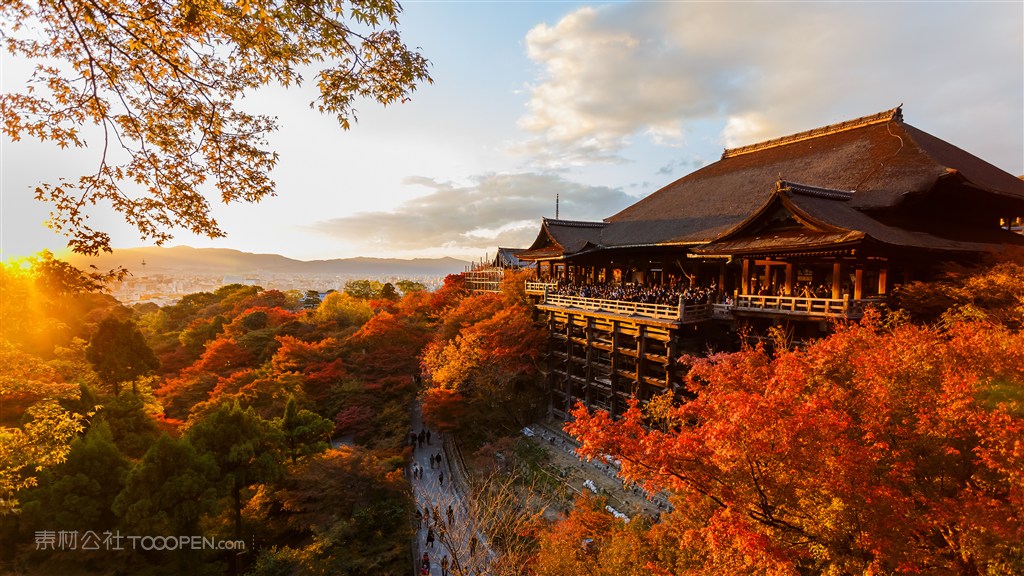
(793, 232)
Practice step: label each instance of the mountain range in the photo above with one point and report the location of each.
(185, 259)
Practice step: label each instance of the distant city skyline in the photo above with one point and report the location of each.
(600, 104)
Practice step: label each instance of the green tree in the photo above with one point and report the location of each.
(408, 286)
(311, 300)
(363, 289)
(168, 492)
(132, 429)
(162, 81)
(388, 292)
(79, 493)
(119, 353)
(304, 432)
(244, 447)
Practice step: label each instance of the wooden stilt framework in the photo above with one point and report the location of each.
(603, 361)
(484, 279)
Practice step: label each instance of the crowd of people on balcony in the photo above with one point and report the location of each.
(801, 290)
(667, 294)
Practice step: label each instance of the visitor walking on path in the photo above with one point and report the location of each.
(453, 546)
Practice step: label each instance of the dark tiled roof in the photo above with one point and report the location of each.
(833, 220)
(508, 258)
(558, 237)
(878, 158)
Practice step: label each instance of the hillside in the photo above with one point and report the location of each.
(181, 259)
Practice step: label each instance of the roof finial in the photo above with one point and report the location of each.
(556, 206)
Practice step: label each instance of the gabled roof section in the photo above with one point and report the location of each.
(781, 224)
(827, 218)
(561, 238)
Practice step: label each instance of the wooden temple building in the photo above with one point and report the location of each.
(792, 232)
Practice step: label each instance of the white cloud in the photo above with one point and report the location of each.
(622, 71)
(491, 210)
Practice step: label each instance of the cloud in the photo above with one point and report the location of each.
(489, 210)
(610, 75)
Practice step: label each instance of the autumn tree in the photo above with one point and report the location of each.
(162, 83)
(590, 541)
(992, 291)
(490, 364)
(36, 430)
(343, 310)
(883, 448)
(363, 527)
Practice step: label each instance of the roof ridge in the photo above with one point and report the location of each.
(576, 223)
(886, 116)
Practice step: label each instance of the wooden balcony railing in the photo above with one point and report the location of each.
(790, 305)
(539, 288)
(685, 313)
(689, 313)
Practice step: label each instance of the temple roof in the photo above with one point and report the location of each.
(561, 237)
(877, 163)
(508, 258)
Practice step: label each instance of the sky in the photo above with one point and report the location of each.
(599, 104)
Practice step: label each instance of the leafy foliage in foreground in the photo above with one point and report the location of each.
(158, 84)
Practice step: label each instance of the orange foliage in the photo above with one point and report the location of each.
(443, 409)
(880, 449)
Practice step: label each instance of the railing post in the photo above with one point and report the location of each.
(682, 307)
(846, 304)
(544, 296)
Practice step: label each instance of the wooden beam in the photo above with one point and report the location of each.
(789, 279)
(837, 286)
(745, 288)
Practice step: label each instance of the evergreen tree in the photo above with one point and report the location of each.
(304, 432)
(119, 353)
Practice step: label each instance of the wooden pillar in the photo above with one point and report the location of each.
(837, 286)
(745, 284)
(721, 279)
(641, 360)
(568, 364)
(789, 279)
(589, 367)
(551, 363)
(614, 377)
(858, 283)
(670, 366)
(883, 283)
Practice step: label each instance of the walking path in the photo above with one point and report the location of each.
(445, 516)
